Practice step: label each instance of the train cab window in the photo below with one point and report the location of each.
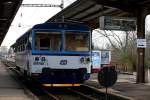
(44, 43)
(50, 41)
(76, 41)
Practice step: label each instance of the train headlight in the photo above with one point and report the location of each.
(43, 59)
(36, 58)
(82, 59)
(87, 59)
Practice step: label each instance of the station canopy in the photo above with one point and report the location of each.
(89, 11)
(8, 10)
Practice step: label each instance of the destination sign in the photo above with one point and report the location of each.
(117, 23)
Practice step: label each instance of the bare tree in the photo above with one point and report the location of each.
(124, 47)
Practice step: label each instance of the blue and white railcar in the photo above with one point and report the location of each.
(56, 54)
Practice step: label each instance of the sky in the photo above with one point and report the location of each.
(26, 17)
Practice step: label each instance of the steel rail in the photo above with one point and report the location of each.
(87, 97)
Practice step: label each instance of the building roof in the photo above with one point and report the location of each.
(89, 11)
(8, 10)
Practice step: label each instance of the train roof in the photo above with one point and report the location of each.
(24, 35)
(62, 26)
(58, 26)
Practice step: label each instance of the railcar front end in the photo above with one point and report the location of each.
(59, 54)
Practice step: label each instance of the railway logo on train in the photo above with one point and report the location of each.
(63, 62)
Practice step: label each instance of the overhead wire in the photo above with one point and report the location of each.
(34, 12)
(68, 2)
(19, 24)
(37, 9)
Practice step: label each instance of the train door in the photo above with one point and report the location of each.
(106, 58)
(96, 61)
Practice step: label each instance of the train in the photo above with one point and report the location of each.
(55, 53)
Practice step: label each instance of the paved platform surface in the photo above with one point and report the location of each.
(10, 89)
(126, 87)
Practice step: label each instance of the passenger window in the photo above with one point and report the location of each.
(48, 41)
(44, 43)
(29, 46)
(76, 41)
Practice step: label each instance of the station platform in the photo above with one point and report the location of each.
(10, 89)
(125, 87)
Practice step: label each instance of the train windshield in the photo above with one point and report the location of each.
(50, 41)
(77, 41)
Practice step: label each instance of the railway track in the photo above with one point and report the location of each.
(84, 92)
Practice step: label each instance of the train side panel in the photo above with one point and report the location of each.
(21, 60)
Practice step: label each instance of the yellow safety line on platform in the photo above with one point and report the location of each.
(60, 85)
